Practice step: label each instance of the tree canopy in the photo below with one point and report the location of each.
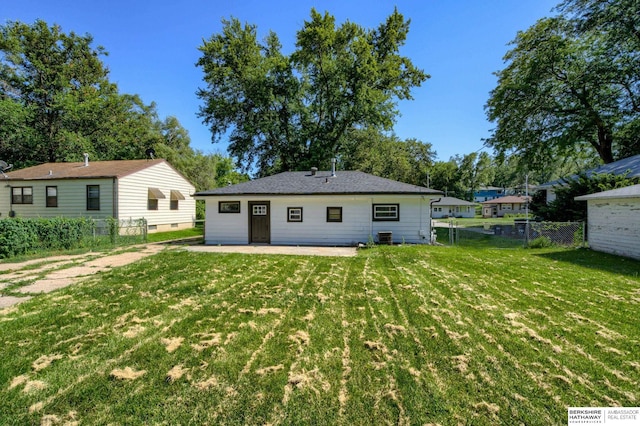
(292, 112)
(56, 103)
(565, 208)
(571, 83)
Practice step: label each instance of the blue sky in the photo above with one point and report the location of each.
(153, 48)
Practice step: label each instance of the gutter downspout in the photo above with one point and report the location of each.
(431, 239)
(115, 198)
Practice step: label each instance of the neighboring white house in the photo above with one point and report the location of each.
(125, 189)
(453, 207)
(499, 207)
(317, 208)
(613, 221)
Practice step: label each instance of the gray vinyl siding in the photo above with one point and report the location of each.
(133, 197)
(356, 226)
(72, 199)
(614, 226)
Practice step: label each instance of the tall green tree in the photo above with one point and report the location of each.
(618, 24)
(52, 77)
(388, 156)
(56, 101)
(556, 96)
(571, 84)
(285, 112)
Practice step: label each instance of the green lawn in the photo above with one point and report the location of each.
(396, 335)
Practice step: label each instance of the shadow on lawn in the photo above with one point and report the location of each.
(596, 260)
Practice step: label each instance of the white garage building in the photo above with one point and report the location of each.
(613, 221)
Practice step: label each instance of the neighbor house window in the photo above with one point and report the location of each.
(294, 214)
(153, 195)
(22, 195)
(229, 207)
(93, 197)
(383, 212)
(334, 214)
(52, 196)
(175, 197)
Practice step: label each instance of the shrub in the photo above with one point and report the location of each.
(540, 242)
(21, 236)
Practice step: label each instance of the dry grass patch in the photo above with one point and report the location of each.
(396, 335)
(172, 344)
(127, 373)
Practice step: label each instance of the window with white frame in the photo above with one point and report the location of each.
(294, 214)
(22, 195)
(388, 212)
(260, 210)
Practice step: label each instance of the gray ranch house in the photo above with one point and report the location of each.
(317, 208)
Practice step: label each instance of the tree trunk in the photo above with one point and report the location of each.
(605, 143)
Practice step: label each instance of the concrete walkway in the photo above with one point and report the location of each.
(52, 274)
(269, 249)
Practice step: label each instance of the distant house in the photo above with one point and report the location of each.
(452, 207)
(613, 221)
(499, 207)
(317, 208)
(126, 189)
(486, 193)
(629, 166)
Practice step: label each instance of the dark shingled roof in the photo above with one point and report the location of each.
(95, 169)
(629, 166)
(304, 183)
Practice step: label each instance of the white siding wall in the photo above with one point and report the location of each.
(356, 226)
(614, 226)
(450, 211)
(72, 199)
(133, 197)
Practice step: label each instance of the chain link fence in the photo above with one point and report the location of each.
(520, 233)
(120, 231)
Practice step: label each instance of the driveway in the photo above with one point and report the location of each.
(52, 273)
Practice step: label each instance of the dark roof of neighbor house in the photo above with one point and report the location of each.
(510, 199)
(629, 166)
(95, 170)
(320, 183)
(632, 191)
(453, 201)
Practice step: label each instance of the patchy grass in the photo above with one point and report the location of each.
(402, 335)
(191, 233)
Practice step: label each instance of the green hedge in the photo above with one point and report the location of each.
(20, 236)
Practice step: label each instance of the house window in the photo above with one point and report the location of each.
(294, 214)
(388, 212)
(229, 207)
(93, 197)
(334, 214)
(52, 196)
(175, 197)
(22, 195)
(153, 195)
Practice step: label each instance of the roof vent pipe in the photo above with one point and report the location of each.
(86, 159)
(333, 167)
(314, 170)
